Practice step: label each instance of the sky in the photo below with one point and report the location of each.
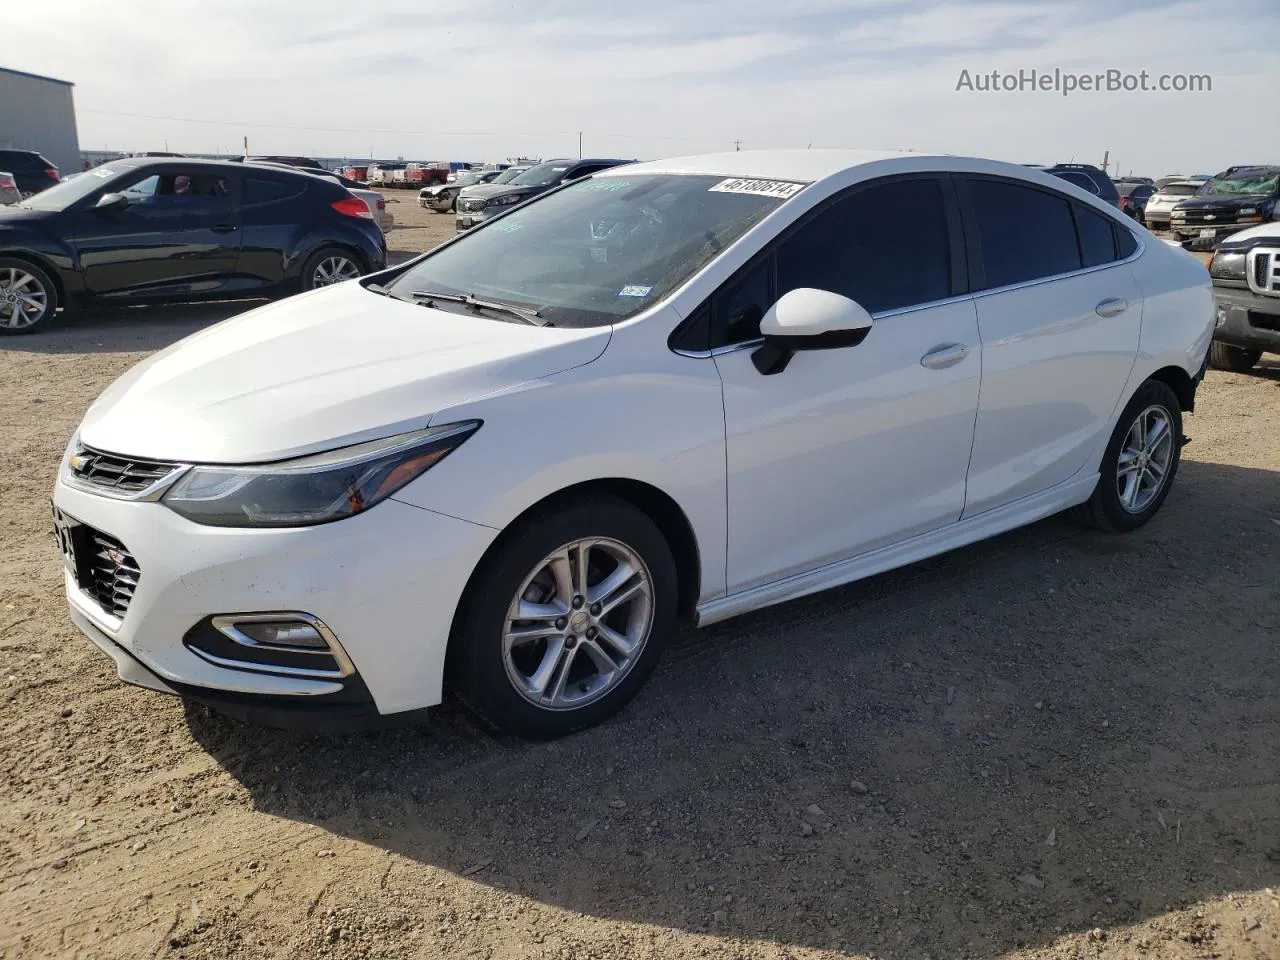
(487, 80)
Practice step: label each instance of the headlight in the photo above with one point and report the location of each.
(1247, 211)
(505, 201)
(313, 489)
(1227, 265)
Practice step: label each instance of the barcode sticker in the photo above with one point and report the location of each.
(782, 189)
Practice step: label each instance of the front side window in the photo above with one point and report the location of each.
(885, 246)
(173, 189)
(594, 252)
(1024, 233)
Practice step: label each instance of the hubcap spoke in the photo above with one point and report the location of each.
(1142, 468)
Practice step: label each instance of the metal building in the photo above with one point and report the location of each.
(38, 113)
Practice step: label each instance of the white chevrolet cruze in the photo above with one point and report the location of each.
(681, 389)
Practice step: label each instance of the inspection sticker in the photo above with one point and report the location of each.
(634, 291)
(782, 189)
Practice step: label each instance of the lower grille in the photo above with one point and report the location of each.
(107, 571)
(1264, 321)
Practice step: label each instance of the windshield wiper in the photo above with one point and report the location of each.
(527, 314)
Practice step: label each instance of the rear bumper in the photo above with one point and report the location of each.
(1247, 320)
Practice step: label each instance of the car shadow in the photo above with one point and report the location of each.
(126, 329)
(1048, 732)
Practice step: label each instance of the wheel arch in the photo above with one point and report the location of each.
(654, 503)
(1181, 383)
(36, 260)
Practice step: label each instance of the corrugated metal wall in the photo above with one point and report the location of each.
(38, 114)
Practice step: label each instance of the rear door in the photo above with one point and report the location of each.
(178, 234)
(1060, 314)
(275, 215)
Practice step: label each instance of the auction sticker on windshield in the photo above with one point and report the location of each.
(782, 189)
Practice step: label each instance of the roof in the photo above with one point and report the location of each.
(805, 165)
(36, 76)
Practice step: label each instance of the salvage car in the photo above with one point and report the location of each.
(443, 197)
(145, 230)
(1237, 198)
(1159, 206)
(675, 390)
(478, 203)
(1246, 288)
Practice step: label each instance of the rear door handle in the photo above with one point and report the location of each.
(1111, 307)
(944, 355)
(224, 228)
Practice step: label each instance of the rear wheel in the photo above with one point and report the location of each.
(1139, 463)
(328, 266)
(28, 297)
(1225, 357)
(567, 620)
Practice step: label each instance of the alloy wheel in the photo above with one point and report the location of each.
(23, 298)
(1142, 469)
(578, 623)
(333, 270)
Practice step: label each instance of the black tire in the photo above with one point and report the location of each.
(479, 660)
(310, 270)
(453, 204)
(1223, 356)
(14, 270)
(1104, 509)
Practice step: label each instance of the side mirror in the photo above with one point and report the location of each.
(111, 201)
(808, 319)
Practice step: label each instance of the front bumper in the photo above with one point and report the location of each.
(386, 583)
(1247, 320)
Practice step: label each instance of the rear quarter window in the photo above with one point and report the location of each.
(259, 190)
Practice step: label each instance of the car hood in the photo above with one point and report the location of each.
(1225, 202)
(317, 371)
(490, 190)
(1262, 232)
(14, 217)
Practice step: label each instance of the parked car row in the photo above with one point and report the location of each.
(443, 198)
(480, 202)
(31, 172)
(767, 399)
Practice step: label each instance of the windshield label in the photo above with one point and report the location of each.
(632, 290)
(782, 189)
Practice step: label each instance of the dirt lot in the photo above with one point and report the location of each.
(1056, 744)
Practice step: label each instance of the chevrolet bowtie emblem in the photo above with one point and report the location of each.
(1208, 216)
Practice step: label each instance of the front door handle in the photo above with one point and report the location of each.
(224, 228)
(1111, 307)
(944, 355)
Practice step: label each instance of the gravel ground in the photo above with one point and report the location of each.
(1056, 744)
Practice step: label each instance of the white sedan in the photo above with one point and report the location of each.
(682, 389)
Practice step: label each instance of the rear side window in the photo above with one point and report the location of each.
(1024, 233)
(1083, 181)
(886, 247)
(1097, 239)
(260, 190)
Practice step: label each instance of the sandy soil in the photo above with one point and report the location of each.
(1056, 744)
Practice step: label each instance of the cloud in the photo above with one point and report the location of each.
(489, 79)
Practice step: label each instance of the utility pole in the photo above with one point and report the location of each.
(246, 145)
(579, 144)
(737, 145)
(1106, 157)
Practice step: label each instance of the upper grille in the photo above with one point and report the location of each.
(124, 474)
(1264, 271)
(108, 572)
(471, 204)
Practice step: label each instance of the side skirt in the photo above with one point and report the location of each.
(1069, 493)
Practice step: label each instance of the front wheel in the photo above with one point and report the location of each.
(1139, 463)
(567, 619)
(1222, 356)
(28, 297)
(328, 266)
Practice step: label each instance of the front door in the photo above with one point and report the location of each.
(178, 234)
(847, 450)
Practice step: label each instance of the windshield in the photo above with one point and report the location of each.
(541, 175)
(598, 250)
(1261, 182)
(506, 176)
(73, 190)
